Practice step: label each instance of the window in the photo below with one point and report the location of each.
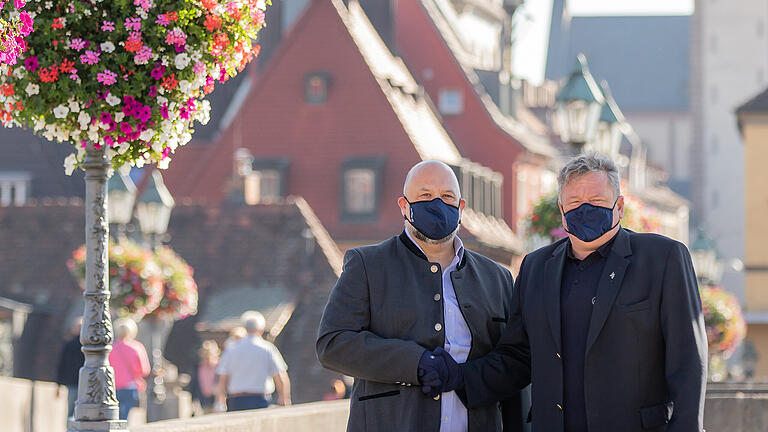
(480, 188)
(450, 101)
(14, 188)
(262, 186)
(361, 189)
(266, 182)
(316, 88)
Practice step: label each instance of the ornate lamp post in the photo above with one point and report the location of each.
(154, 208)
(578, 106)
(122, 196)
(608, 133)
(709, 269)
(154, 212)
(96, 406)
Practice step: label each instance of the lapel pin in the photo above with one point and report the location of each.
(612, 275)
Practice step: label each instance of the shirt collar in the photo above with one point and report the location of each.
(458, 245)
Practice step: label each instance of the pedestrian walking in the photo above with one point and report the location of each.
(131, 364)
(251, 370)
(70, 362)
(204, 379)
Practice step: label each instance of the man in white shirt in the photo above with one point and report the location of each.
(251, 369)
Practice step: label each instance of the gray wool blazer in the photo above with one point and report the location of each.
(384, 312)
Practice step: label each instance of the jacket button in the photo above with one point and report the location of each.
(558, 355)
(436, 397)
(434, 268)
(438, 327)
(437, 297)
(560, 407)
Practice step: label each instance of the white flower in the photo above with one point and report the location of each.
(163, 164)
(32, 89)
(93, 136)
(19, 72)
(110, 151)
(182, 61)
(161, 100)
(60, 111)
(107, 47)
(119, 117)
(203, 114)
(84, 119)
(39, 125)
(122, 148)
(70, 162)
(112, 100)
(185, 86)
(147, 135)
(157, 147)
(74, 106)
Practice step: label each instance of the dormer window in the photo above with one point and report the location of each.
(14, 188)
(450, 101)
(316, 88)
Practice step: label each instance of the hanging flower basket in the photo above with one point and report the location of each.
(179, 290)
(127, 75)
(135, 279)
(15, 25)
(723, 320)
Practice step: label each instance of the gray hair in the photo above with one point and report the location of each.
(585, 164)
(253, 321)
(125, 328)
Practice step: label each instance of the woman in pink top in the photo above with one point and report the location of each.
(131, 364)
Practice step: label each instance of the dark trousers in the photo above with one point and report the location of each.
(127, 398)
(242, 403)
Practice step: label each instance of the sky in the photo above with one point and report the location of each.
(533, 17)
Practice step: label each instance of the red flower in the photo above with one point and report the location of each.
(7, 89)
(133, 44)
(210, 4)
(173, 16)
(212, 22)
(48, 75)
(170, 82)
(57, 23)
(66, 66)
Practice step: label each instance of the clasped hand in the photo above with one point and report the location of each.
(439, 373)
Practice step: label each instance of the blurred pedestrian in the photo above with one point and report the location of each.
(204, 380)
(251, 370)
(235, 335)
(70, 362)
(337, 391)
(131, 364)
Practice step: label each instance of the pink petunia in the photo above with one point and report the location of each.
(90, 57)
(152, 91)
(133, 24)
(19, 3)
(26, 23)
(126, 128)
(163, 20)
(106, 118)
(157, 73)
(144, 4)
(143, 55)
(164, 111)
(108, 140)
(107, 77)
(198, 68)
(108, 26)
(77, 44)
(31, 64)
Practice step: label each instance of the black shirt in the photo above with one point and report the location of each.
(70, 362)
(577, 295)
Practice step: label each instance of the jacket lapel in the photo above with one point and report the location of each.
(609, 285)
(553, 276)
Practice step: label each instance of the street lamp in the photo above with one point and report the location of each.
(708, 267)
(154, 208)
(608, 133)
(578, 105)
(121, 197)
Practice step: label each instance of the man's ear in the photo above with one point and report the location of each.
(620, 206)
(562, 214)
(462, 204)
(402, 203)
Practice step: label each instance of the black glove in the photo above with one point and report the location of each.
(429, 373)
(451, 377)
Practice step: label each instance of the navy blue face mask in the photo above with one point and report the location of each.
(589, 222)
(435, 219)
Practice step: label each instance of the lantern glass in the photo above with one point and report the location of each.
(121, 196)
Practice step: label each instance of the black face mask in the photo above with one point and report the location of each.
(589, 222)
(435, 219)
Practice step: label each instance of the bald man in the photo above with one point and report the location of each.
(397, 302)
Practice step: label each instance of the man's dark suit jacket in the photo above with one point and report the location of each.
(384, 312)
(646, 353)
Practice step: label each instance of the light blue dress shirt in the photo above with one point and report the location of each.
(458, 341)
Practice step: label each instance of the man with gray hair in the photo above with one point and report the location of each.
(606, 323)
(251, 369)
